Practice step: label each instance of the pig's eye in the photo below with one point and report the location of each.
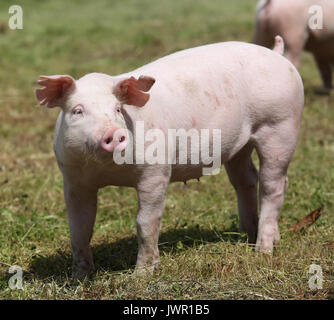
(78, 110)
(118, 109)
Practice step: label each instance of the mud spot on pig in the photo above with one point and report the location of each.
(212, 97)
(217, 101)
(228, 88)
(190, 86)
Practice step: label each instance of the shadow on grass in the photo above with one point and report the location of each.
(121, 254)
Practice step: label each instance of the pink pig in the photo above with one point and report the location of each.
(304, 25)
(252, 96)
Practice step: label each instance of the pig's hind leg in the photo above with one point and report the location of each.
(244, 177)
(325, 70)
(275, 146)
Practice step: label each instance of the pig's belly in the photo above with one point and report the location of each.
(186, 172)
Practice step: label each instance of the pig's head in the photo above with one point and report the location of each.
(92, 110)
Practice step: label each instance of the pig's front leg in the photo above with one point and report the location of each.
(151, 196)
(81, 206)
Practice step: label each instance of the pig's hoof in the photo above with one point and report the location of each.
(145, 271)
(268, 235)
(251, 238)
(251, 235)
(264, 249)
(249, 227)
(266, 245)
(82, 274)
(323, 91)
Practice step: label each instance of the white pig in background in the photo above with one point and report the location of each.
(304, 25)
(249, 96)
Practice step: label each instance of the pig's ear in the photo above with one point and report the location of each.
(55, 90)
(132, 91)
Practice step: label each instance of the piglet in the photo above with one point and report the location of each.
(175, 119)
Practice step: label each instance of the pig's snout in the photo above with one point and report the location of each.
(114, 139)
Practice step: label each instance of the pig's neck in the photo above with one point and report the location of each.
(148, 115)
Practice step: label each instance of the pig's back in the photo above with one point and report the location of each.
(229, 77)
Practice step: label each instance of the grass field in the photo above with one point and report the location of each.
(202, 256)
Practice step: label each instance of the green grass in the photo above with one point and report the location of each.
(201, 256)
